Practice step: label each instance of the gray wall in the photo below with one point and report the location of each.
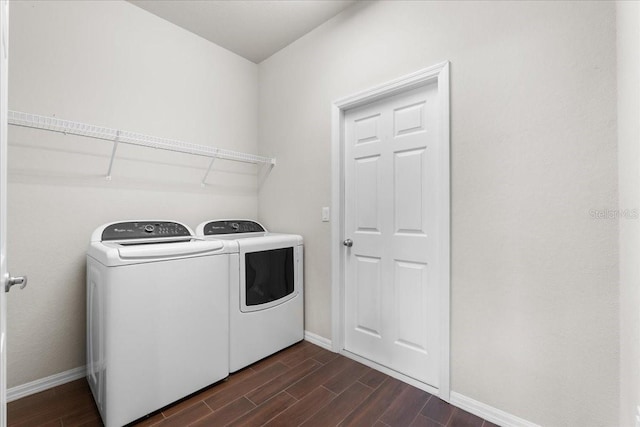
(112, 64)
(533, 151)
(628, 48)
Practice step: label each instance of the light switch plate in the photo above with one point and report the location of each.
(326, 214)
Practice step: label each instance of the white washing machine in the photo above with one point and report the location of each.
(266, 298)
(157, 316)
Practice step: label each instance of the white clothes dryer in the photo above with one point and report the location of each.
(266, 305)
(157, 316)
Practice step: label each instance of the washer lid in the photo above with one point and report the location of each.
(114, 253)
(164, 250)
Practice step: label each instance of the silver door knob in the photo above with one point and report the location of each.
(348, 243)
(20, 280)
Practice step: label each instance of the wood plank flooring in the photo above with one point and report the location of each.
(303, 385)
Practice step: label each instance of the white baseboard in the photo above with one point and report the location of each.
(15, 393)
(487, 412)
(317, 340)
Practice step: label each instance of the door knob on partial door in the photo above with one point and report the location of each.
(20, 280)
(348, 243)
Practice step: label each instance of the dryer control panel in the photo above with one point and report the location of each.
(232, 227)
(144, 230)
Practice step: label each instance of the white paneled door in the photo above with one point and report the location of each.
(392, 212)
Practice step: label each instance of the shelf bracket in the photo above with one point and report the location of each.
(202, 184)
(264, 172)
(113, 155)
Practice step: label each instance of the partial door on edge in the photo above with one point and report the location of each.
(392, 269)
(4, 60)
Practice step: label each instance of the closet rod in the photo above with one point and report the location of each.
(54, 124)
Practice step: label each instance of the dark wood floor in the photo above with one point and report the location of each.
(302, 385)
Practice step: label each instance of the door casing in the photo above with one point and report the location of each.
(439, 74)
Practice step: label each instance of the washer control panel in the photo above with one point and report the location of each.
(232, 227)
(144, 230)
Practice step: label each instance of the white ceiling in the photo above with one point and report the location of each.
(254, 29)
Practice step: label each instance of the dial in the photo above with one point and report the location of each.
(149, 228)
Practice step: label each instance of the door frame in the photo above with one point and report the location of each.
(438, 74)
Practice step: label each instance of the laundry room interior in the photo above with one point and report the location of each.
(538, 193)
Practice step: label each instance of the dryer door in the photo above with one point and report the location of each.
(268, 277)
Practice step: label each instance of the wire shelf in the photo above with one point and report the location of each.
(54, 124)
